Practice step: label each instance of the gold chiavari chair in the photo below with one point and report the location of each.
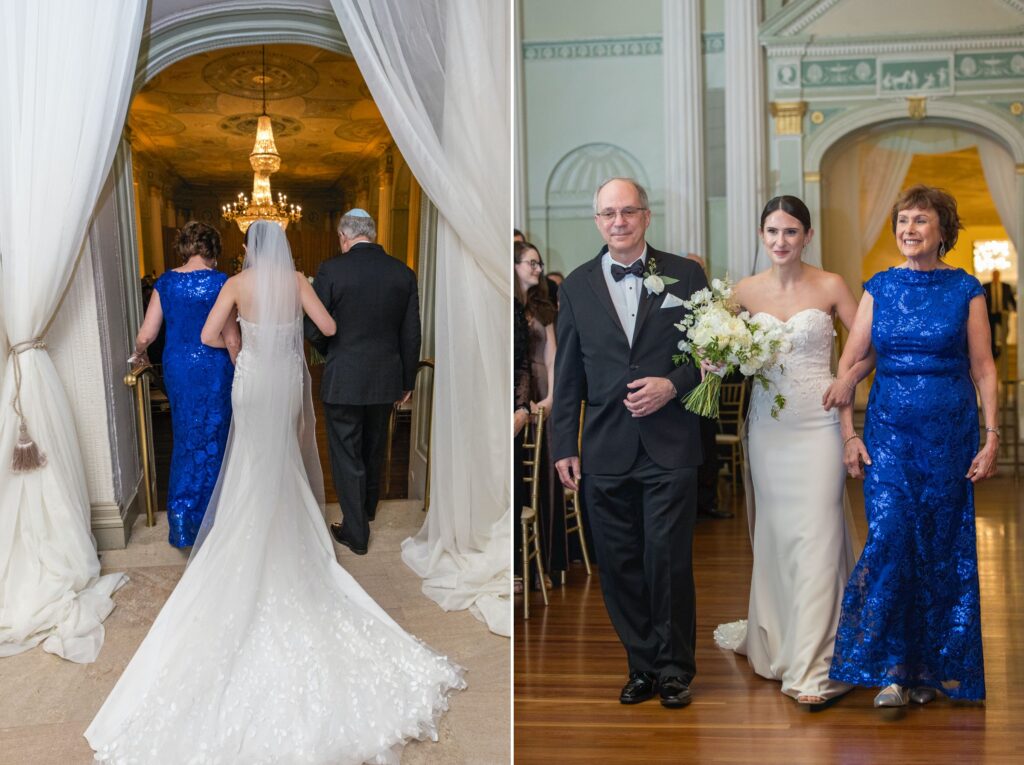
(730, 419)
(573, 508)
(1008, 420)
(533, 440)
(405, 412)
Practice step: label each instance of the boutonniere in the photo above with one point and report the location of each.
(655, 281)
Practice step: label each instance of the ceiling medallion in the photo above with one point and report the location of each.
(264, 161)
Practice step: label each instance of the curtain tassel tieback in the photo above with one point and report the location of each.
(27, 456)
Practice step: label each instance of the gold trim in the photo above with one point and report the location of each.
(1016, 108)
(817, 118)
(917, 107)
(810, 177)
(789, 117)
(1020, 169)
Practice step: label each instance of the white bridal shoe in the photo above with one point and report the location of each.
(892, 696)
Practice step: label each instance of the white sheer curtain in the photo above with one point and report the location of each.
(882, 172)
(440, 72)
(65, 78)
(1001, 179)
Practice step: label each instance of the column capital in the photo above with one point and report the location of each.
(789, 116)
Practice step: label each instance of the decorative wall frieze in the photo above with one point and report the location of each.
(610, 47)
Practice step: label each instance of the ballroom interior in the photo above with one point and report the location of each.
(717, 106)
(204, 75)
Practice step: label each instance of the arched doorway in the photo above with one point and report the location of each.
(191, 128)
(965, 129)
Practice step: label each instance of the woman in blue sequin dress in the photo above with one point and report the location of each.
(197, 377)
(911, 619)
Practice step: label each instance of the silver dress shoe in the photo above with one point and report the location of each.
(892, 696)
(922, 695)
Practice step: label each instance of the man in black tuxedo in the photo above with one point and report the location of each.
(370, 367)
(641, 448)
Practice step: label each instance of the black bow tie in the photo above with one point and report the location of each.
(619, 272)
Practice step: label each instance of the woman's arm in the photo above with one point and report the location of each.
(232, 335)
(314, 308)
(550, 346)
(150, 327)
(224, 307)
(983, 372)
(858, 348)
(841, 392)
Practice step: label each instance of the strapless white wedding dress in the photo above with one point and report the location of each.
(799, 528)
(268, 651)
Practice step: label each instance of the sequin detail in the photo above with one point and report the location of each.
(911, 610)
(198, 382)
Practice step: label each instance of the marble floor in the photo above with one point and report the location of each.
(46, 702)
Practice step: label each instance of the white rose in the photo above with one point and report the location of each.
(654, 284)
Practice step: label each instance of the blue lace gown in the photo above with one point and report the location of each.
(198, 382)
(911, 613)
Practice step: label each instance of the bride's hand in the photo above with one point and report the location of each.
(709, 367)
(839, 394)
(855, 457)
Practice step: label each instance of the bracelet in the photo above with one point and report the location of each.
(855, 435)
(994, 430)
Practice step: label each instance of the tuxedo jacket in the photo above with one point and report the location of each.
(594, 362)
(372, 357)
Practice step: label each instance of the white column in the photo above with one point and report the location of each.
(521, 192)
(744, 133)
(682, 61)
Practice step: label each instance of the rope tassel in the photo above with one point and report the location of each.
(27, 456)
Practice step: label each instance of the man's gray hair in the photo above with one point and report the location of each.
(640, 190)
(363, 225)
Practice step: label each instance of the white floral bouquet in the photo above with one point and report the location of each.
(716, 331)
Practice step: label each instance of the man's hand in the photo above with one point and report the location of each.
(648, 395)
(569, 472)
(406, 395)
(519, 420)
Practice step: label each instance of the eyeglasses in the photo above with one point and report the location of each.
(626, 212)
(534, 264)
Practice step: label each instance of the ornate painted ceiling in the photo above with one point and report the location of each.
(197, 118)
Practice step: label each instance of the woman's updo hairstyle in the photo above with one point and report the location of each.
(197, 238)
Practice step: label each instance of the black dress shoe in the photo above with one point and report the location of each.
(675, 693)
(714, 512)
(341, 539)
(641, 686)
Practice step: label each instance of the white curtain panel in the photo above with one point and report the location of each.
(440, 72)
(1001, 179)
(66, 69)
(883, 170)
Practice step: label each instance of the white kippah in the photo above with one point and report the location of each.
(357, 212)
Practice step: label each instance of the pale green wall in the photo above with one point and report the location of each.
(579, 19)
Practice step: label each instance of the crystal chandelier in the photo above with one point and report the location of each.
(264, 160)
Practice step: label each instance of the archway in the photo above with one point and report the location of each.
(326, 169)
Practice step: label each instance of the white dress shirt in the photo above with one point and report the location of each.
(625, 294)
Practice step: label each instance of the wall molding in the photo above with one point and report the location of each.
(610, 47)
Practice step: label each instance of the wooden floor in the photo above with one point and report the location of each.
(569, 667)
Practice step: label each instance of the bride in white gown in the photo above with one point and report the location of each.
(799, 530)
(268, 651)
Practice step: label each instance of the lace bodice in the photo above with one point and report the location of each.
(805, 371)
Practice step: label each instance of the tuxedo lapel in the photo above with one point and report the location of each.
(647, 301)
(647, 298)
(600, 288)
